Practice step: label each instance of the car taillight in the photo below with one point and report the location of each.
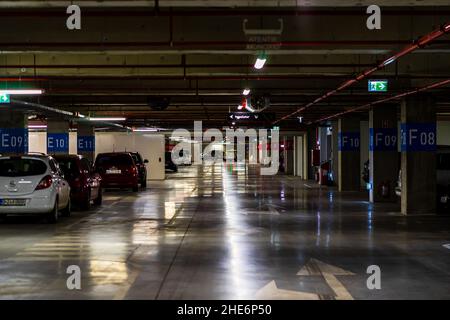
(45, 183)
(134, 171)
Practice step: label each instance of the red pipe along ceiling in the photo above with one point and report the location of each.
(420, 43)
(401, 95)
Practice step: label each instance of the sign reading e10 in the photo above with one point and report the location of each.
(378, 85)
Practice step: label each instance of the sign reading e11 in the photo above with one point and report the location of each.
(378, 85)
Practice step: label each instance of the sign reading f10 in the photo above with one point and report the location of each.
(378, 85)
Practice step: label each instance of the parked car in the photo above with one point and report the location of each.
(33, 184)
(85, 184)
(169, 164)
(117, 170)
(142, 168)
(442, 179)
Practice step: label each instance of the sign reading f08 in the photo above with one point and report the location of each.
(378, 85)
(4, 98)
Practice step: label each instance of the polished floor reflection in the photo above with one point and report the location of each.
(225, 232)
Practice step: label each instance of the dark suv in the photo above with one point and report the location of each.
(85, 184)
(141, 165)
(117, 170)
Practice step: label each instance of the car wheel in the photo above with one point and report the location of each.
(53, 215)
(86, 205)
(98, 201)
(135, 188)
(67, 210)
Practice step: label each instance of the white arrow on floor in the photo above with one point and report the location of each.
(316, 267)
(272, 292)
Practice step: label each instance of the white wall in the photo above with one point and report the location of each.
(150, 146)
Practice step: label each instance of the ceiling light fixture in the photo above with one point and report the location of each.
(260, 61)
(145, 130)
(107, 119)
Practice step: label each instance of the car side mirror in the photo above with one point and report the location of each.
(145, 161)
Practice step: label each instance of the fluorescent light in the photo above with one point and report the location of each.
(259, 64)
(22, 92)
(145, 130)
(246, 92)
(107, 119)
(389, 61)
(37, 126)
(249, 108)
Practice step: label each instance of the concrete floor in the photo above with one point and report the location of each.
(228, 233)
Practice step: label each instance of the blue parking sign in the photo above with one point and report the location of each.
(418, 136)
(383, 139)
(13, 140)
(348, 141)
(57, 142)
(86, 144)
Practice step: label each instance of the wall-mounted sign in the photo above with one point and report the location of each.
(378, 85)
(14, 140)
(383, 139)
(86, 144)
(251, 117)
(4, 98)
(57, 142)
(418, 136)
(348, 141)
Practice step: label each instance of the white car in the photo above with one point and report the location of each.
(33, 184)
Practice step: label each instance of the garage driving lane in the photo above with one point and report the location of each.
(225, 232)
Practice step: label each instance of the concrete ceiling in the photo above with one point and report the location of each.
(201, 58)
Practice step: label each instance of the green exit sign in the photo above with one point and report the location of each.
(4, 98)
(378, 85)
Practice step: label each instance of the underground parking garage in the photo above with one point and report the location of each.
(202, 150)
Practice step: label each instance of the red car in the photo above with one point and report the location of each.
(118, 170)
(85, 184)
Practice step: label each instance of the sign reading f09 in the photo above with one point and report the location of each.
(4, 98)
(378, 85)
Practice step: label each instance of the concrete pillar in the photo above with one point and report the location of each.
(364, 148)
(312, 144)
(349, 154)
(57, 136)
(289, 155)
(323, 144)
(13, 132)
(418, 160)
(335, 151)
(86, 141)
(383, 153)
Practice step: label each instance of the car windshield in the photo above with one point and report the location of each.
(18, 167)
(443, 161)
(136, 158)
(68, 166)
(115, 160)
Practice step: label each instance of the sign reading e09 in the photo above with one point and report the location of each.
(378, 85)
